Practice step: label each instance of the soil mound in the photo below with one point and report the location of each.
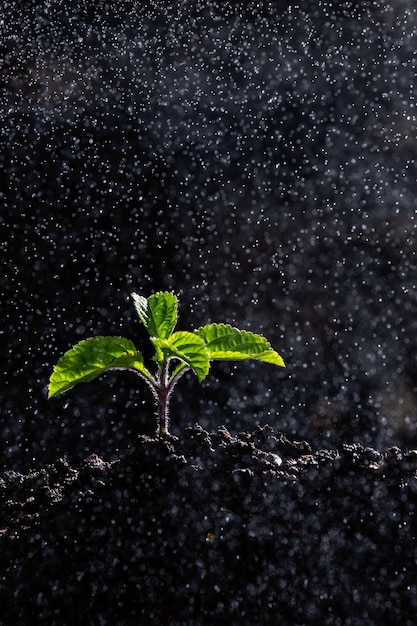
(211, 528)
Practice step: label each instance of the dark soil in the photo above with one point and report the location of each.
(213, 529)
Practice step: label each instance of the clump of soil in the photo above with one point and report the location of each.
(213, 529)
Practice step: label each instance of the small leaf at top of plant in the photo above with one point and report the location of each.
(224, 342)
(90, 358)
(158, 313)
(188, 348)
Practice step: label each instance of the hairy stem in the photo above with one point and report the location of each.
(162, 388)
(163, 418)
(163, 403)
(165, 391)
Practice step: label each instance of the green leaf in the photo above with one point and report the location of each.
(188, 348)
(158, 313)
(90, 358)
(227, 343)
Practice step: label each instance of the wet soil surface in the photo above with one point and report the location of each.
(213, 529)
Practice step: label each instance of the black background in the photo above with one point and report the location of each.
(256, 158)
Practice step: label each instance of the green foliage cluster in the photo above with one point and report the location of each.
(175, 353)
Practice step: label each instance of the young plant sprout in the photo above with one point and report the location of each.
(175, 353)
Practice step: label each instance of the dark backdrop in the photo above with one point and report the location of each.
(258, 158)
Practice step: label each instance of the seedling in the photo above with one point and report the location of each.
(175, 353)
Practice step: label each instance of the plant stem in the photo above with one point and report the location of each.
(162, 387)
(165, 389)
(163, 420)
(163, 399)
